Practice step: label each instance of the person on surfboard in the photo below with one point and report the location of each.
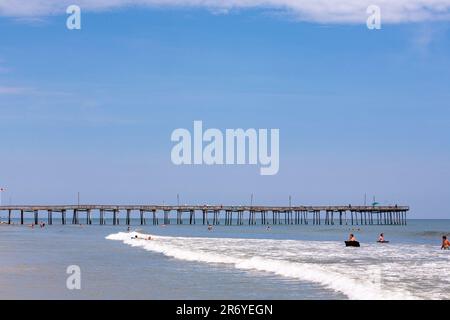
(381, 238)
(352, 242)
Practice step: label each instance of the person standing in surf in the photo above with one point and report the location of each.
(445, 243)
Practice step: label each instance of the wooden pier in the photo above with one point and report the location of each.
(212, 214)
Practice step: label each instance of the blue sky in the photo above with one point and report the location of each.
(359, 111)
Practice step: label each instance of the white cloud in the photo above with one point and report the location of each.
(14, 90)
(3, 68)
(324, 11)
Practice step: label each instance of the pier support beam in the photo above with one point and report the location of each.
(179, 217)
(114, 217)
(155, 217)
(128, 218)
(227, 217)
(141, 216)
(75, 216)
(166, 217)
(216, 217)
(36, 217)
(102, 217)
(192, 217)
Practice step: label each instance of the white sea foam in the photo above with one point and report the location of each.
(358, 274)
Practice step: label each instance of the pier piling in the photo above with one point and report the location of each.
(166, 217)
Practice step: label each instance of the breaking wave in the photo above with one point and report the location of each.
(365, 273)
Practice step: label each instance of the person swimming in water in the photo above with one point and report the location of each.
(351, 237)
(445, 243)
(137, 237)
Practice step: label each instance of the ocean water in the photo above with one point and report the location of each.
(228, 262)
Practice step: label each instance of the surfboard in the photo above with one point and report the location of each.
(383, 241)
(352, 244)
